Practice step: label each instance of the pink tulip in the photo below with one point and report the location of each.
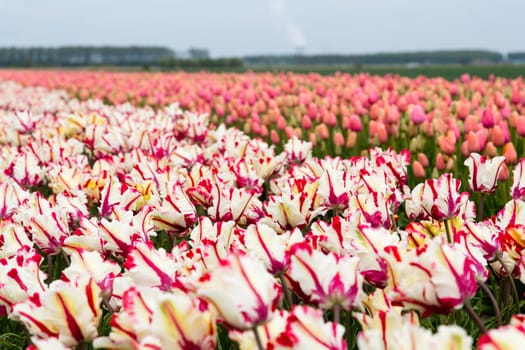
(509, 152)
(417, 115)
(440, 162)
(497, 136)
(487, 118)
(355, 123)
(418, 169)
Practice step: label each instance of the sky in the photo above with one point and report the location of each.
(250, 27)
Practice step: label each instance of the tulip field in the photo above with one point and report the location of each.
(261, 211)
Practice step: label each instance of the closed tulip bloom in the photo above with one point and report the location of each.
(270, 246)
(14, 237)
(21, 277)
(510, 154)
(483, 172)
(242, 290)
(355, 123)
(182, 322)
(487, 118)
(325, 279)
(438, 279)
(417, 115)
(176, 213)
(441, 197)
(418, 169)
(131, 325)
(306, 329)
(69, 311)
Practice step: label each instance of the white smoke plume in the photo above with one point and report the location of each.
(294, 33)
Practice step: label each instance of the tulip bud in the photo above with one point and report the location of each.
(418, 170)
(510, 153)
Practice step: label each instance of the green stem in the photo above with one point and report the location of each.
(479, 323)
(286, 291)
(492, 299)
(66, 257)
(219, 345)
(337, 313)
(394, 224)
(512, 283)
(447, 230)
(258, 339)
(50, 267)
(481, 207)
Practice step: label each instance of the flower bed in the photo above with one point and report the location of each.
(128, 227)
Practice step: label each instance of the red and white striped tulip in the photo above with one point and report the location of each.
(483, 172)
(271, 247)
(241, 289)
(327, 280)
(22, 277)
(68, 311)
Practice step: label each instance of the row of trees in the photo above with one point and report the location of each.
(167, 59)
(405, 58)
(173, 63)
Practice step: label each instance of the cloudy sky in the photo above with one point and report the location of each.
(244, 27)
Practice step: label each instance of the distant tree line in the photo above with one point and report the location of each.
(82, 56)
(196, 59)
(518, 57)
(173, 63)
(404, 58)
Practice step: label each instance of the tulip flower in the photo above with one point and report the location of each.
(327, 280)
(408, 336)
(241, 289)
(13, 239)
(47, 224)
(483, 172)
(271, 334)
(176, 213)
(150, 267)
(438, 279)
(67, 311)
(92, 263)
(214, 241)
(506, 337)
(441, 197)
(183, 322)
(234, 204)
(271, 247)
(297, 150)
(11, 197)
(334, 188)
(417, 115)
(306, 329)
(22, 277)
(131, 325)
